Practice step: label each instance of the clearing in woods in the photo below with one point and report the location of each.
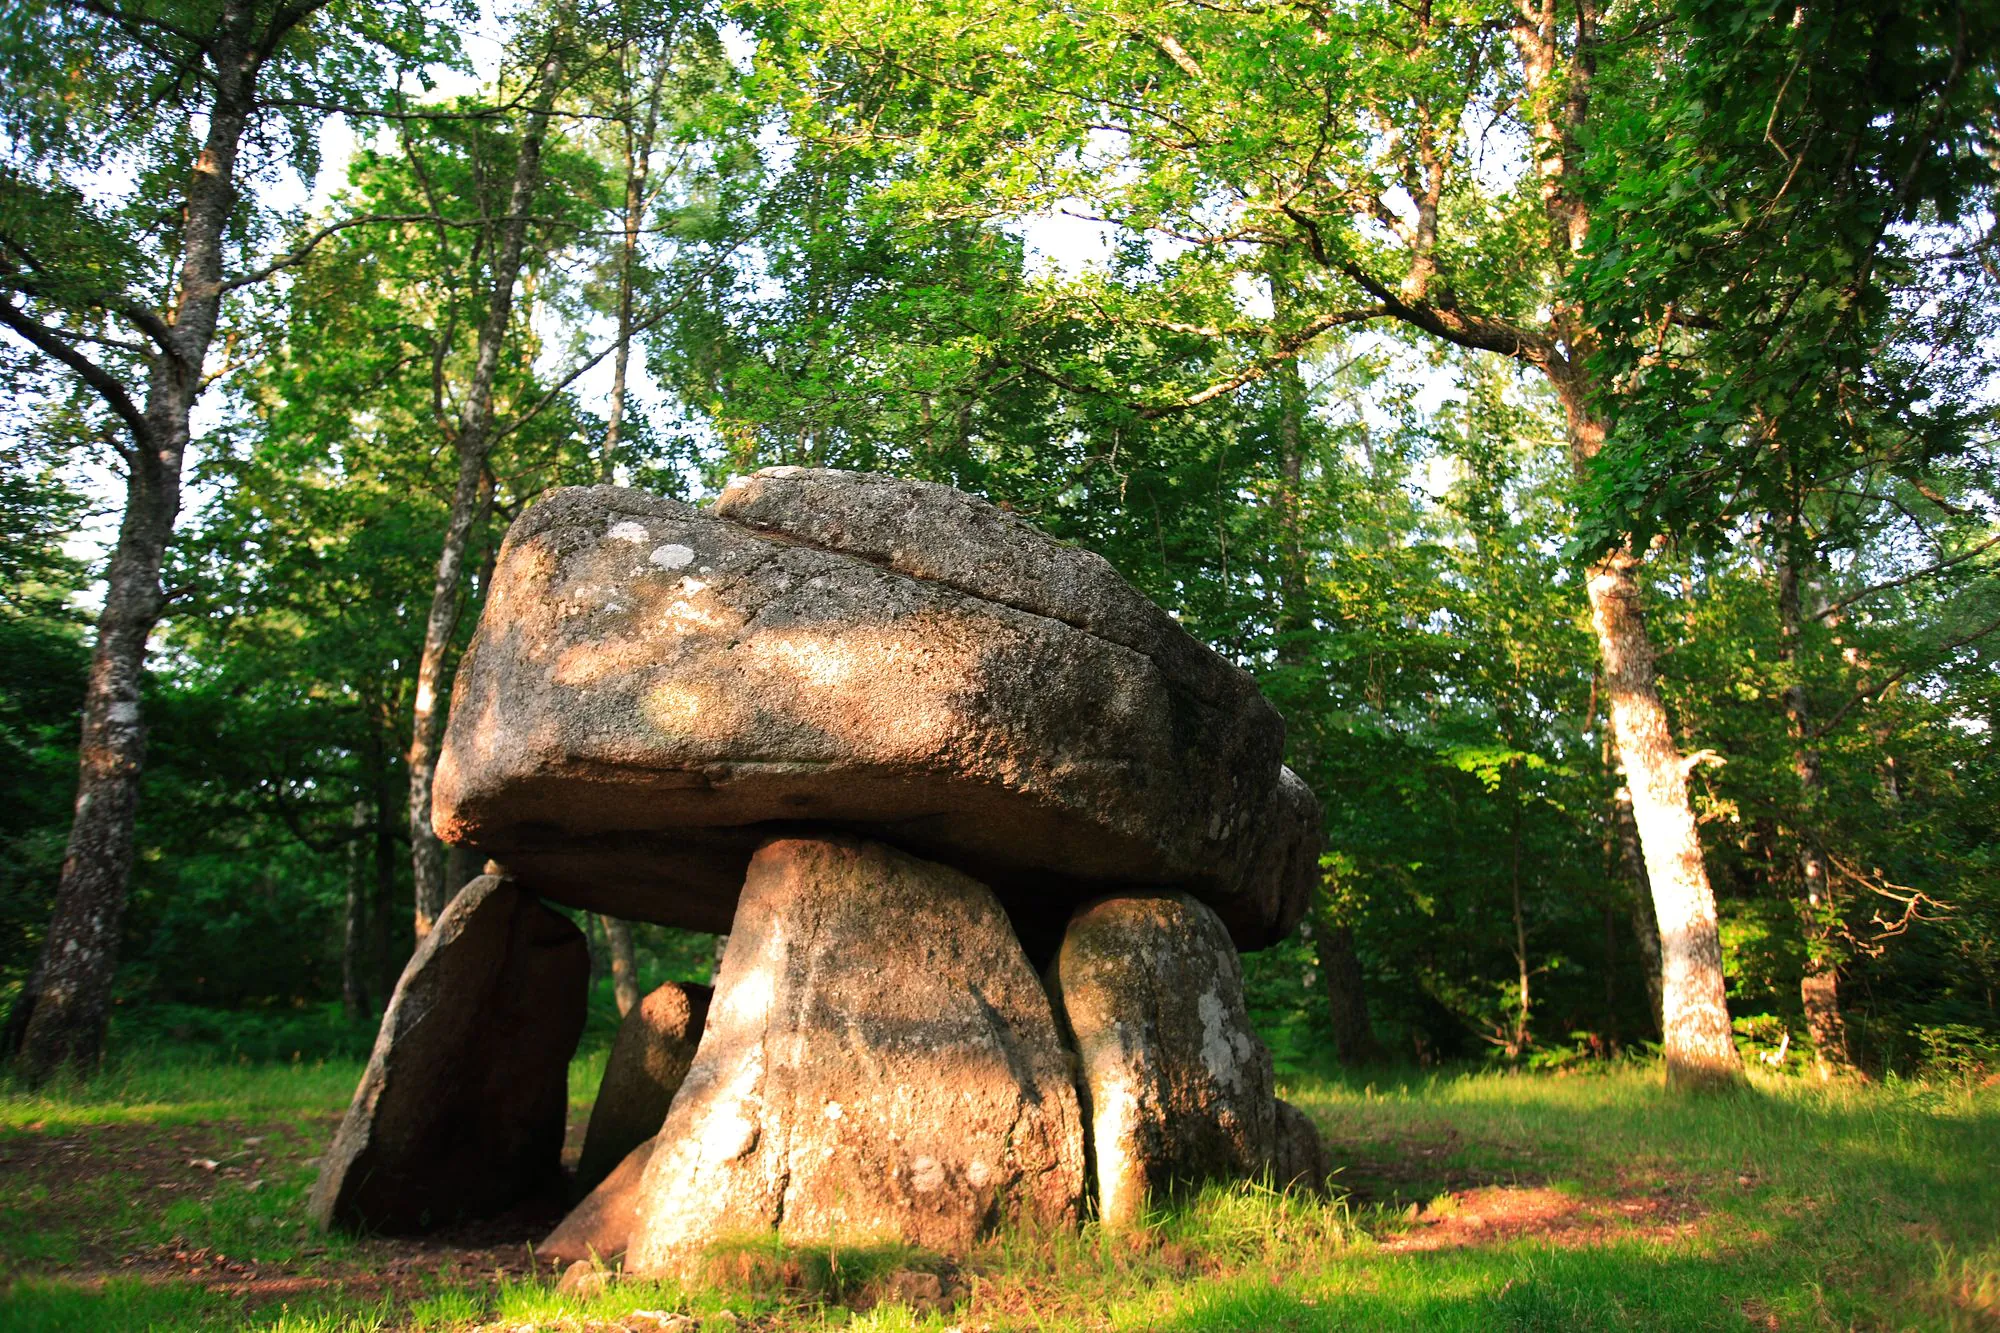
(170, 1195)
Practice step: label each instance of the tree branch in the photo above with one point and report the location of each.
(1925, 572)
(1874, 691)
(51, 343)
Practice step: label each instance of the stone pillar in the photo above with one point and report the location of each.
(1176, 1086)
(880, 1064)
(649, 1058)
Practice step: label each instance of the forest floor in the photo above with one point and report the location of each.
(171, 1195)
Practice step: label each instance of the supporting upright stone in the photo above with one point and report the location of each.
(1177, 1088)
(880, 1064)
(460, 1112)
(649, 1058)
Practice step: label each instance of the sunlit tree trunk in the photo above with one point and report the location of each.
(638, 141)
(1645, 926)
(70, 995)
(1694, 1008)
(474, 441)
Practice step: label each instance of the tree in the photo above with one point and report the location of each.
(116, 85)
(1792, 303)
(1336, 145)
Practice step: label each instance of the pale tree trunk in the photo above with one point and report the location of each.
(474, 440)
(1694, 1009)
(1695, 1014)
(69, 994)
(1819, 986)
(638, 163)
(624, 963)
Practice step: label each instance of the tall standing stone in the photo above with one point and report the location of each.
(880, 1064)
(1176, 1086)
(649, 1058)
(460, 1112)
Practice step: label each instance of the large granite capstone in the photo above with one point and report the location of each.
(654, 689)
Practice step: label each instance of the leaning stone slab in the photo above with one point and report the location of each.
(1176, 1086)
(460, 1111)
(649, 1058)
(654, 689)
(880, 1064)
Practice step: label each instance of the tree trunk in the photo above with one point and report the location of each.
(72, 980)
(1346, 987)
(1694, 1009)
(474, 441)
(1354, 1040)
(1524, 1009)
(1645, 926)
(353, 931)
(624, 964)
(1819, 986)
(638, 161)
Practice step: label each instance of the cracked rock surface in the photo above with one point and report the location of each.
(880, 1064)
(654, 689)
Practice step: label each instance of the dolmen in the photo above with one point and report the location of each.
(984, 827)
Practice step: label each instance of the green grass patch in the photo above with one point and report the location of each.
(1472, 1201)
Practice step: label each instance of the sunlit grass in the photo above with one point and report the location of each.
(1786, 1205)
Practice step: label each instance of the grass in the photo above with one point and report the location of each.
(1469, 1200)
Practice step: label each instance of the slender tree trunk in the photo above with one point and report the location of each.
(474, 441)
(73, 978)
(624, 963)
(353, 929)
(638, 162)
(1700, 1050)
(386, 960)
(1354, 1040)
(1525, 1009)
(1819, 986)
(1346, 987)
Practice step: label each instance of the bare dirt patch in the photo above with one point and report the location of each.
(1497, 1213)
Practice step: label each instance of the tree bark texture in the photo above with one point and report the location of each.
(73, 978)
(1694, 1009)
(1645, 926)
(1354, 1041)
(638, 162)
(624, 963)
(354, 919)
(1819, 984)
(474, 442)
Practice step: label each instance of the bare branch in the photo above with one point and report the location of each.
(1925, 572)
(1876, 690)
(47, 340)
